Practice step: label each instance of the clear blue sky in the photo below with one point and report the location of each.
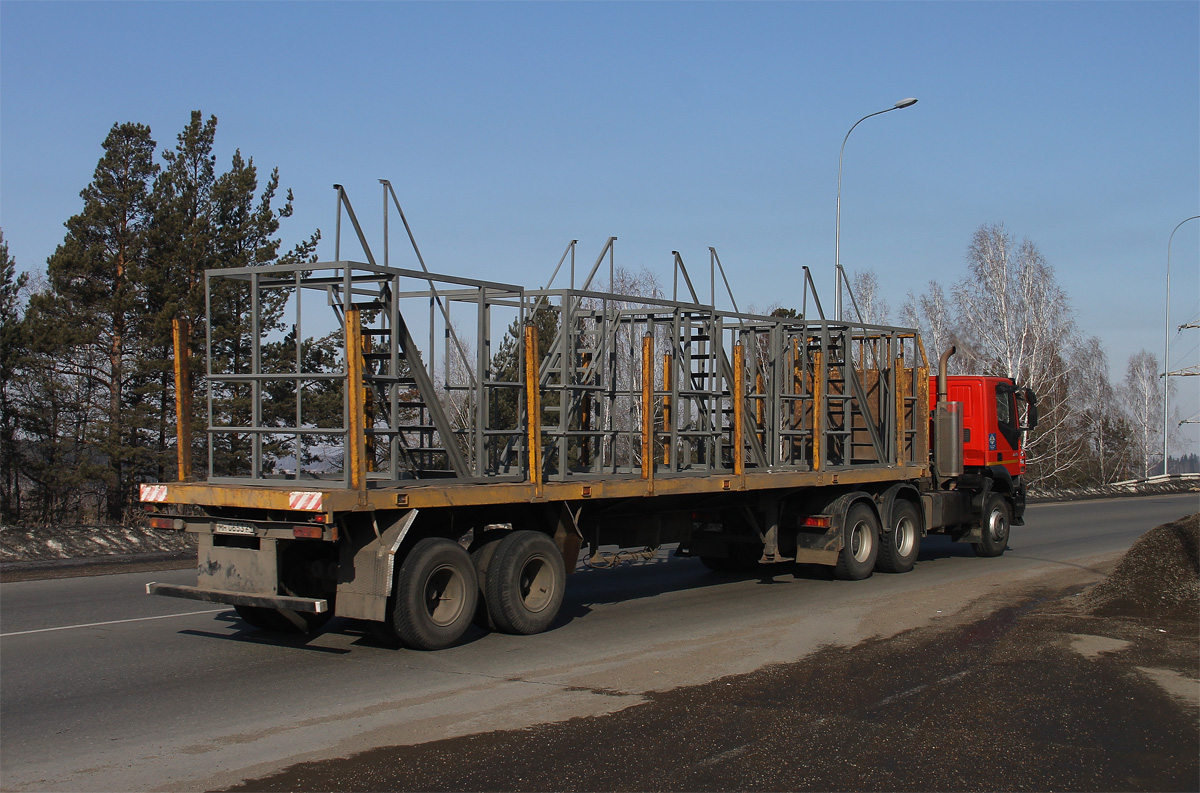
(509, 129)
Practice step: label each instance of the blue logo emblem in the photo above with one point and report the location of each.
(992, 441)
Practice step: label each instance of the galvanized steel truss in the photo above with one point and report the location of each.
(628, 385)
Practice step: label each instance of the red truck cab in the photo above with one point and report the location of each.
(992, 427)
(995, 414)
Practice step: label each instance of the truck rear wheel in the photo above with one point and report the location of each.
(481, 557)
(435, 596)
(899, 545)
(997, 524)
(525, 583)
(860, 543)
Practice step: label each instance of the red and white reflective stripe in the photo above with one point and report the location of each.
(304, 499)
(153, 492)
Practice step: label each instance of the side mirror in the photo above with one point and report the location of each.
(1029, 415)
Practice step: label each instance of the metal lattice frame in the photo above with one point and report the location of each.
(629, 386)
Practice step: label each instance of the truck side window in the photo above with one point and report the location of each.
(1005, 417)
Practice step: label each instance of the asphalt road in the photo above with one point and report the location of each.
(104, 688)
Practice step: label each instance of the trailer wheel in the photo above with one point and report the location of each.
(481, 558)
(525, 583)
(281, 620)
(997, 524)
(860, 546)
(435, 597)
(898, 547)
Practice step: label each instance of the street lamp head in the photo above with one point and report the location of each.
(912, 100)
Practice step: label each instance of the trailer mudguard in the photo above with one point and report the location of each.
(366, 568)
(887, 500)
(814, 546)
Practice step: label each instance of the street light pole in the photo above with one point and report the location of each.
(1167, 341)
(837, 244)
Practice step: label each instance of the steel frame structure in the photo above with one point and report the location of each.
(628, 387)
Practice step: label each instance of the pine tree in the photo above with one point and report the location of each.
(182, 242)
(11, 343)
(91, 324)
(245, 226)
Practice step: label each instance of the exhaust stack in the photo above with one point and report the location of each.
(942, 363)
(947, 426)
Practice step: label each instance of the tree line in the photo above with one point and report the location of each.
(1008, 316)
(86, 373)
(87, 395)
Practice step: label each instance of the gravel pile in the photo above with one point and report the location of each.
(1160, 572)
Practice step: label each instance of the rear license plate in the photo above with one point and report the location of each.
(233, 528)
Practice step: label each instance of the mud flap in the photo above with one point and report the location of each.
(567, 536)
(365, 569)
(228, 568)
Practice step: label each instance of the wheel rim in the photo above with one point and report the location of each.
(445, 594)
(906, 536)
(997, 525)
(536, 584)
(861, 540)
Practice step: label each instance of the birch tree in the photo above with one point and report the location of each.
(863, 287)
(1143, 397)
(1102, 426)
(1015, 321)
(931, 314)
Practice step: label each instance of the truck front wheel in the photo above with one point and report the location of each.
(435, 597)
(525, 583)
(860, 543)
(997, 522)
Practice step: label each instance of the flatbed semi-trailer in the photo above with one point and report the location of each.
(421, 492)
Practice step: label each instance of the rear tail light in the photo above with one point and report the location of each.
(816, 522)
(308, 532)
(163, 523)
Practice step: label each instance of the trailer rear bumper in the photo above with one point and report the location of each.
(313, 605)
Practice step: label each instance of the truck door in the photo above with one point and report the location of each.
(1004, 440)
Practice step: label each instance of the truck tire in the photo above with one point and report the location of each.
(435, 596)
(860, 543)
(898, 547)
(525, 583)
(281, 621)
(997, 524)
(481, 557)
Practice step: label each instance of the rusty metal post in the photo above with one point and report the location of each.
(901, 381)
(818, 397)
(648, 408)
(921, 416)
(183, 400)
(738, 396)
(355, 396)
(667, 408)
(760, 404)
(585, 418)
(533, 408)
(368, 409)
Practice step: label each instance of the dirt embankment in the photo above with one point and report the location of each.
(74, 542)
(55, 551)
(1069, 688)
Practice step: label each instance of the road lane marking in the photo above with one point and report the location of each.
(110, 622)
